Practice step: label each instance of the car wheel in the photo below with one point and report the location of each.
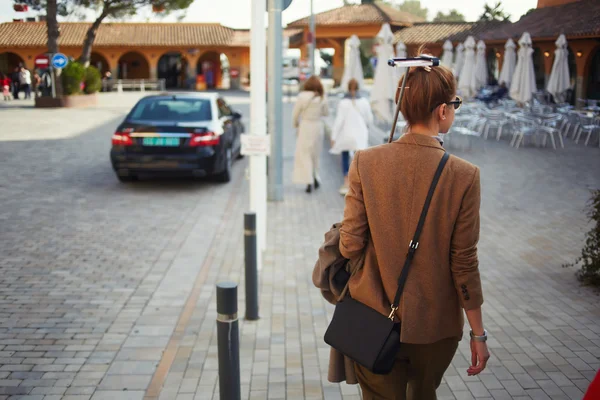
(225, 176)
(127, 178)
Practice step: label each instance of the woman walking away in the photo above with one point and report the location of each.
(5, 86)
(351, 128)
(309, 111)
(388, 186)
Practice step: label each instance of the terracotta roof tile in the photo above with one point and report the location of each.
(435, 32)
(30, 34)
(357, 14)
(580, 18)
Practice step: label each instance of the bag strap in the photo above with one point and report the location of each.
(414, 243)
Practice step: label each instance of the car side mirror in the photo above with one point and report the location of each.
(236, 115)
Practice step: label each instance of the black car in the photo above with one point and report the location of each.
(180, 134)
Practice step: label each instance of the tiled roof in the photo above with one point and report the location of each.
(580, 18)
(31, 34)
(435, 32)
(358, 14)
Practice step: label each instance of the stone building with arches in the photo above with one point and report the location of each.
(176, 52)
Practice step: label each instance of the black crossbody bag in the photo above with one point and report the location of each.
(362, 333)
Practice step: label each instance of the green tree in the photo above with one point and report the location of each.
(452, 16)
(414, 7)
(495, 13)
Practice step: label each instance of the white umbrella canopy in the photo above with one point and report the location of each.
(353, 69)
(460, 59)
(523, 81)
(480, 74)
(400, 52)
(466, 83)
(509, 63)
(382, 93)
(559, 80)
(448, 55)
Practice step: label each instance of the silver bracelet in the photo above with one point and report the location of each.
(482, 338)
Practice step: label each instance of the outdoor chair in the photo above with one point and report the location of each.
(574, 121)
(527, 126)
(580, 103)
(588, 125)
(494, 119)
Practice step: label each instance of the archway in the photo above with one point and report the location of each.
(172, 67)
(211, 67)
(593, 76)
(133, 65)
(9, 61)
(538, 68)
(493, 65)
(99, 61)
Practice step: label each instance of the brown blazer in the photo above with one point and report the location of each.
(388, 186)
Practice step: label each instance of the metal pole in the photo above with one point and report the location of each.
(275, 124)
(228, 341)
(313, 39)
(251, 257)
(53, 80)
(258, 122)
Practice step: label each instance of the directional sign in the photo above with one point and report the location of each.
(59, 60)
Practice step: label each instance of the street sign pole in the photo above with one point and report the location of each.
(275, 123)
(258, 126)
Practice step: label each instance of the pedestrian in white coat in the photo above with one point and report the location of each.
(309, 110)
(351, 128)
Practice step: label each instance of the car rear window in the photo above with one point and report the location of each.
(176, 110)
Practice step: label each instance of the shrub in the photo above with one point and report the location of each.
(590, 254)
(92, 80)
(72, 76)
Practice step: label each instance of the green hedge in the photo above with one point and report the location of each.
(72, 76)
(92, 80)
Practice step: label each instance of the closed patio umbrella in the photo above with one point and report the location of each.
(523, 82)
(353, 68)
(481, 72)
(400, 52)
(448, 55)
(382, 93)
(466, 83)
(460, 59)
(509, 63)
(559, 80)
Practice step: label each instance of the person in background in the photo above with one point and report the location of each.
(36, 83)
(16, 79)
(388, 187)
(107, 82)
(351, 128)
(46, 83)
(25, 81)
(309, 110)
(5, 86)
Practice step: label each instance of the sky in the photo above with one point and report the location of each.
(221, 10)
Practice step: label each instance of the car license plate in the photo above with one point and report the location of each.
(161, 141)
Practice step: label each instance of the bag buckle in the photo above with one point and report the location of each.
(413, 245)
(392, 313)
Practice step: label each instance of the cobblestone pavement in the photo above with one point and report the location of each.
(544, 327)
(102, 299)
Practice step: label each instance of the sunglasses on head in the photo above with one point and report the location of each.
(457, 102)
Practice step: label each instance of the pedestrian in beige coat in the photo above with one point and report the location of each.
(310, 109)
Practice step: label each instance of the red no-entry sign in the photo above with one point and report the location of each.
(42, 61)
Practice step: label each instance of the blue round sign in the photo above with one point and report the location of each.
(59, 60)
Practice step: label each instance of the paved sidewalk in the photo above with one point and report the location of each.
(544, 327)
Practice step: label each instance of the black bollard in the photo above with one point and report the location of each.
(251, 256)
(228, 338)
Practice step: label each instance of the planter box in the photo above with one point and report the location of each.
(79, 101)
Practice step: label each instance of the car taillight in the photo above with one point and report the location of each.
(122, 139)
(204, 139)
